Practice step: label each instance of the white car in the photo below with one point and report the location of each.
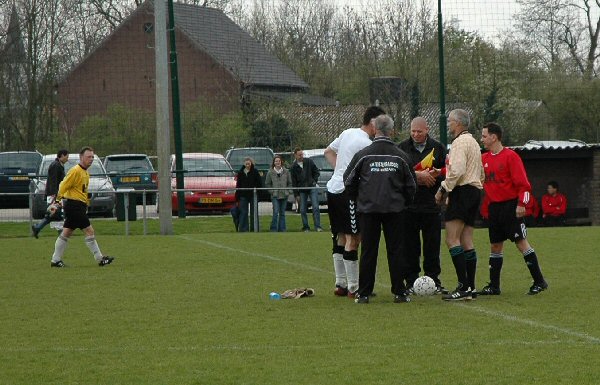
(100, 191)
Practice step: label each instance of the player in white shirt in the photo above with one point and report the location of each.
(342, 210)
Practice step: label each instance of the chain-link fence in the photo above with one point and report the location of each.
(292, 73)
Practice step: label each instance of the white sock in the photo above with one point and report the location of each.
(59, 248)
(351, 274)
(340, 270)
(93, 246)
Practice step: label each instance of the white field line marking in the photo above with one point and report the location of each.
(264, 256)
(479, 309)
(280, 348)
(534, 324)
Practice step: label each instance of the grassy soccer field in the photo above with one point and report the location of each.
(194, 309)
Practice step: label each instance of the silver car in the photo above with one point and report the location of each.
(101, 190)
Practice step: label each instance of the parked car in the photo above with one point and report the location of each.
(101, 190)
(134, 171)
(263, 157)
(16, 170)
(325, 169)
(211, 181)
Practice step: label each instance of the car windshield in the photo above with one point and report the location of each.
(128, 164)
(95, 169)
(26, 162)
(206, 167)
(321, 162)
(263, 157)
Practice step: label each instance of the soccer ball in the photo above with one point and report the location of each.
(424, 286)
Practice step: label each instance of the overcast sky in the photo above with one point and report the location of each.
(488, 17)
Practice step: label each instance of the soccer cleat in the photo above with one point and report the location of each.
(35, 232)
(458, 295)
(352, 294)
(340, 291)
(401, 298)
(439, 289)
(536, 288)
(57, 264)
(105, 261)
(489, 290)
(409, 291)
(362, 299)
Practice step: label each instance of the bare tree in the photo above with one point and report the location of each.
(564, 30)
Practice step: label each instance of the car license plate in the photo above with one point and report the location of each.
(211, 200)
(18, 178)
(130, 179)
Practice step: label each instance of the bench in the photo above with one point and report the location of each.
(577, 216)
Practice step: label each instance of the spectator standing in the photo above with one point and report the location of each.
(423, 216)
(341, 209)
(305, 173)
(247, 178)
(56, 173)
(278, 177)
(554, 206)
(463, 183)
(383, 183)
(508, 191)
(74, 190)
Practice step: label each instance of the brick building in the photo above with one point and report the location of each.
(219, 63)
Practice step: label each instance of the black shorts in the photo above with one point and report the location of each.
(75, 215)
(463, 204)
(504, 224)
(342, 214)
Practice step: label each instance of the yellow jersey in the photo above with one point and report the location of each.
(75, 185)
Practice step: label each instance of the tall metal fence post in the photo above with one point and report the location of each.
(30, 209)
(126, 204)
(255, 210)
(144, 212)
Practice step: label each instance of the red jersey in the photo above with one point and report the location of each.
(554, 205)
(505, 177)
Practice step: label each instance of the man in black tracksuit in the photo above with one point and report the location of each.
(382, 182)
(423, 216)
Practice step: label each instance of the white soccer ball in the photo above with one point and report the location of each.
(424, 286)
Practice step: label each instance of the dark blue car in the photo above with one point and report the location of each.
(132, 171)
(16, 170)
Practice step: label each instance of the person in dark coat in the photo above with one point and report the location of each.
(423, 216)
(305, 175)
(382, 181)
(247, 178)
(56, 173)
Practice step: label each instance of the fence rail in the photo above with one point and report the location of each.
(25, 213)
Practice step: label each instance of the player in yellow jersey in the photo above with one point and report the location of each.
(73, 197)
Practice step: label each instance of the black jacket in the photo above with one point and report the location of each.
(306, 176)
(56, 173)
(380, 178)
(250, 180)
(425, 196)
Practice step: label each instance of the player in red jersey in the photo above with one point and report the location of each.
(508, 191)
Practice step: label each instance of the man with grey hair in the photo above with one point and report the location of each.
(383, 183)
(463, 184)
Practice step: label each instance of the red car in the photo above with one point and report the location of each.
(209, 182)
